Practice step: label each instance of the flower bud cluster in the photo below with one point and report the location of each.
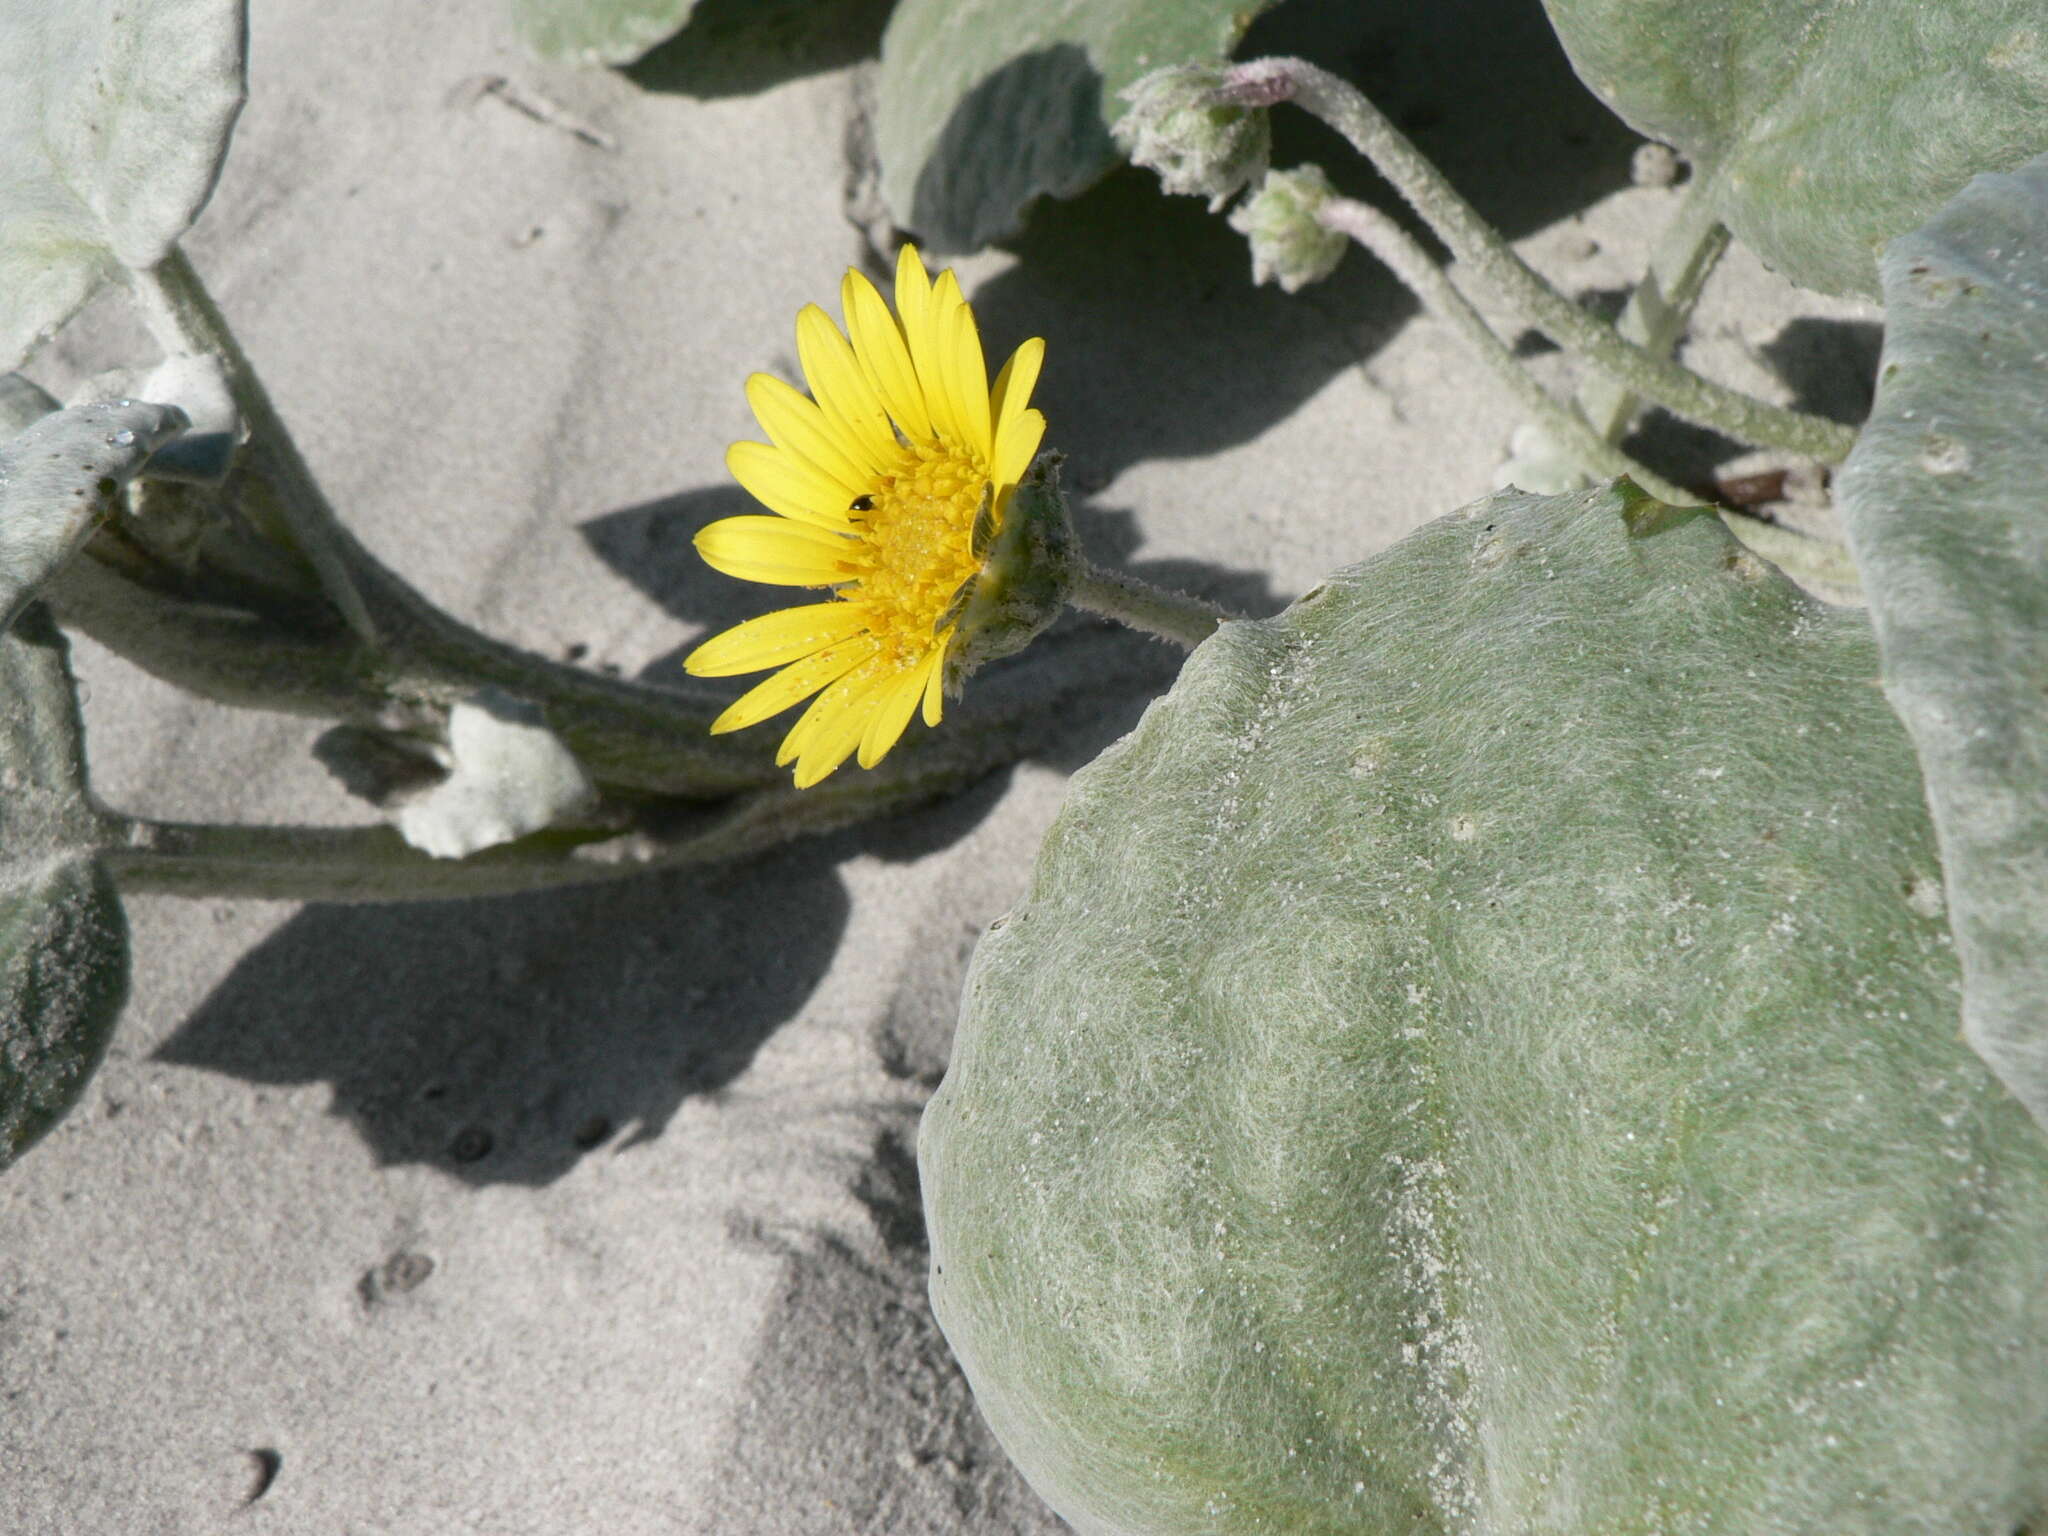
(1191, 124)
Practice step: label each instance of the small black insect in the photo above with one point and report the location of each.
(862, 504)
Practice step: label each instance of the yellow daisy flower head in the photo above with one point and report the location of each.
(888, 483)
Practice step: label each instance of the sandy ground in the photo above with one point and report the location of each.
(597, 1212)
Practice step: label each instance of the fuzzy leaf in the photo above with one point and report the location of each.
(598, 31)
(63, 940)
(114, 119)
(1480, 1057)
(983, 106)
(23, 403)
(58, 481)
(1822, 128)
(1944, 505)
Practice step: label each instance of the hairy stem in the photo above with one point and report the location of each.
(1411, 264)
(1186, 621)
(626, 834)
(1658, 307)
(184, 319)
(399, 645)
(351, 864)
(1474, 242)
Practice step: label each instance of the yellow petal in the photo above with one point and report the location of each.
(843, 392)
(773, 695)
(774, 550)
(793, 741)
(796, 426)
(1015, 445)
(1014, 384)
(789, 634)
(785, 484)
(879, 348)
(825, 710)
(935, 685)
(838, 733)
(914, 309)
(913, 286)
(966, 368)
(897, 703)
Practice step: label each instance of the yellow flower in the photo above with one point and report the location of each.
(888, 483)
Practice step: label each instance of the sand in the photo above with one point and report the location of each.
(597, 1212)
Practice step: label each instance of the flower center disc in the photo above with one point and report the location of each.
(915, 551)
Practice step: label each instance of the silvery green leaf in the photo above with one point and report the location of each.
(196, 384)
(63, 940)
(1481, 1058)
(114, 119)
(598, 31)
(983, 106)
(1945, 500)
(1820, 129)
(510, 775)
(58, 480)
(23, 403)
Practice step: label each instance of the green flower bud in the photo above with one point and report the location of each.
(1201, 145)
(1290, 245)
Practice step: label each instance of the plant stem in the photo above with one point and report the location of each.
(184, 319)
(407, 655)
(1658, 307)
(351, 864)
(1263, 82)
(231, 655)
(1186, 621)
(331, 864)
(1083, 674)
(1411, 264)
(1655, 316)
(1813, 563)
